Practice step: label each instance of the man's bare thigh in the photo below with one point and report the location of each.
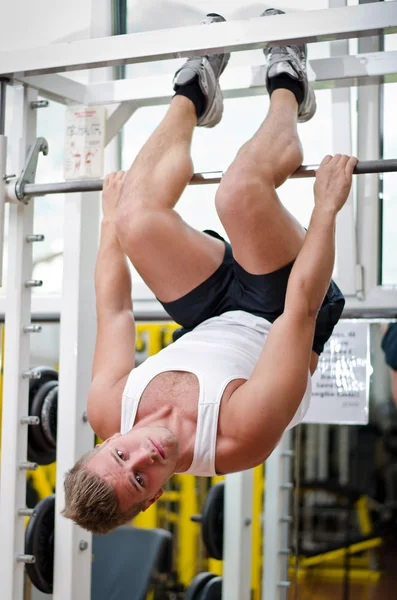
(265, 236)
(172, 257)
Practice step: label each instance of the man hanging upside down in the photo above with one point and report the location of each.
(255, 313)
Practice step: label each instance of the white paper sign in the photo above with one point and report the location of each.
(84, 142)
(340, 385)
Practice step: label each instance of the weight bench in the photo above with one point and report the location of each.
(127, 561)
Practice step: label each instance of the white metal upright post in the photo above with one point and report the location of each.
(310, 468)
(237, 542)
(342, 144)
(16, 361)
(3, 167)
(72, 568)
(277, 520)
(368, 132)
(72, 562)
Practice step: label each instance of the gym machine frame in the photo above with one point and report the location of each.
(72, 560)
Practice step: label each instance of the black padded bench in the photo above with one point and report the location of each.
(126, 561)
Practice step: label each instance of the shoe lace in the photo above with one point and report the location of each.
(278, 52)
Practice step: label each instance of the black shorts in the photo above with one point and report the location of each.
(232, 288)
(389, 346)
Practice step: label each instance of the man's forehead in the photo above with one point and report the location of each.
(103, 463)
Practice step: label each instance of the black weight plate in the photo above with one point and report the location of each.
(47, 374)
(38, 444)
(212, 521)
(197, 585)
(39, 541)
(41, 457)
(36, 410)
(37, 454)
(49, 414)
(32, 497)
(212, 590)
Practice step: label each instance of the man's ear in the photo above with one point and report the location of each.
(151, 501)
(114, 436)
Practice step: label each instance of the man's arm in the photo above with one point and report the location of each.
(114, 355)
(263, 407)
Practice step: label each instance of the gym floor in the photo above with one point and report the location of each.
(385, 589)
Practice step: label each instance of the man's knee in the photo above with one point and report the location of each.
(237, 196)
(133, 224)
(136, 224)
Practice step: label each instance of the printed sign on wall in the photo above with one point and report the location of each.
(340, 386)
(84, 142)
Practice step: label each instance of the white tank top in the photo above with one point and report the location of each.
(217, 351)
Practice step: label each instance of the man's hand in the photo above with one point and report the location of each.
(333, 181)
(112, 186)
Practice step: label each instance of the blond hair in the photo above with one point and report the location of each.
(91, 502)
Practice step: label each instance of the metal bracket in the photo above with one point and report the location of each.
(29, 170)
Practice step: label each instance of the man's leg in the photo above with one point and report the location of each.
(263, 234)
(172, 257)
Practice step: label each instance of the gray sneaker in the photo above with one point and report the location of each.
(209, 69)
(290, 60)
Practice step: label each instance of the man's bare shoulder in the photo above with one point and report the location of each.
(104, 406)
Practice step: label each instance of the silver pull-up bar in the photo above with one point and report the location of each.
(95, 185)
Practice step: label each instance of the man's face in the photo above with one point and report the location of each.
(137, 464)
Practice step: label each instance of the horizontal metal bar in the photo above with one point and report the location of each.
(287, 454)
(232, 36)
(286, 519)
(236, 82)
(34, 237)
(31, 374)
(27, 512)
(30, 283)
(149, 311)
(28, 466)
(29, 420)
(337, 71)
(363, 167)
(36, 104)
(28, 559)
(95, 185)
(32, 329)
(58, 88)
(379, 304)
